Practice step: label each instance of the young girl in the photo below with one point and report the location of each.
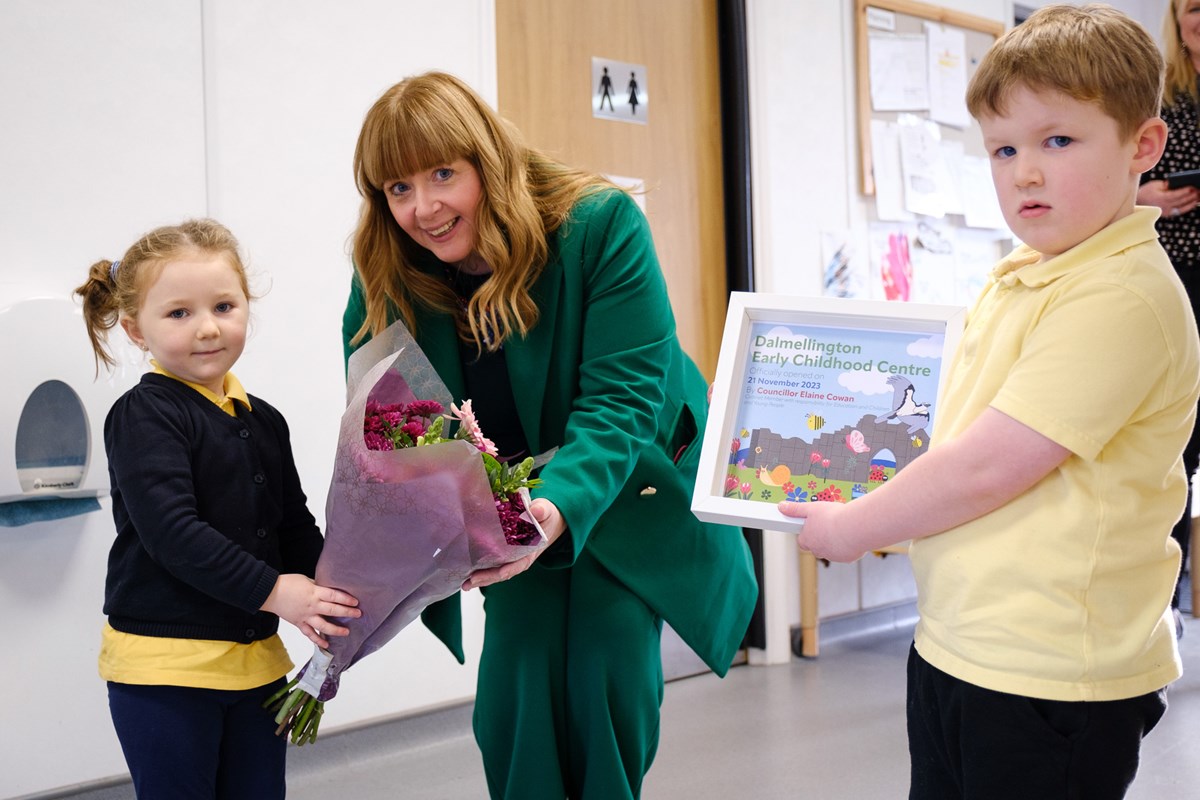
(214, 542)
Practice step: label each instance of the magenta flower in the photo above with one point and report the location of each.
(425, 408)
(377, 441)
(413, 428)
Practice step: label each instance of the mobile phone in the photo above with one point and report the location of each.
(1177, 180)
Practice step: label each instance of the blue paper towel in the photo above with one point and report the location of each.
(24, 512)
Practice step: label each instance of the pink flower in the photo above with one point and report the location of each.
(815, 457)
(469, 427)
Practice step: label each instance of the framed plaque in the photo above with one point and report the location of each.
(818, 399)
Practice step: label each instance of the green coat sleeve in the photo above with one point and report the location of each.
(613, 334)
(627, 408)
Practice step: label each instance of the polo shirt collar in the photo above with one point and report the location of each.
(234, 391)
(1021, 265)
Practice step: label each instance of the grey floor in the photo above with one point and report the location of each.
(830, 727)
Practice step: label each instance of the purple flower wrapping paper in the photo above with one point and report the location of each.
(404, 528)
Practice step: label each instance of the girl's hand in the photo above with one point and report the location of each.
(553, 525)
(1173, 202)
(299, 600)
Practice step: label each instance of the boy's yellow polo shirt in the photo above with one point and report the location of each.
(1063, 593)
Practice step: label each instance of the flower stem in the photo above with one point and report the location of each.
(276, 700)
(289, 709)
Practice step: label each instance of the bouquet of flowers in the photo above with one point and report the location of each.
(412, 511)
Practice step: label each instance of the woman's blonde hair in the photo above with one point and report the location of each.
(115, 289)
(1091, 53)
(1181, 72)
(431, 120)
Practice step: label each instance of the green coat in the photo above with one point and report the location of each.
(602, 377)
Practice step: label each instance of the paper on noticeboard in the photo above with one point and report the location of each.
(981, 209)
(947, 71)
(927, 182)
(885, 167)
(899, 79)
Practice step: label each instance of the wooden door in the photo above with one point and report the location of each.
(544, 69)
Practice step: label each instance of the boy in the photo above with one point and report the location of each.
(1045, 639)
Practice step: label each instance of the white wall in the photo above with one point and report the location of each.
(123, 115)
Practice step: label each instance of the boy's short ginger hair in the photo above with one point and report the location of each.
(1091, 53)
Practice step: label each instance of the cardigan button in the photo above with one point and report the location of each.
(249, 634)
(262, 533)
(245, 434)
(260, 478)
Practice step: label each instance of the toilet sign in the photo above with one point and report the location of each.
(620, 91)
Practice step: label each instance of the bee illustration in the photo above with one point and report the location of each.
(815, 421)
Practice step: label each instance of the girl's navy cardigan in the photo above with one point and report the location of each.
(209, 511)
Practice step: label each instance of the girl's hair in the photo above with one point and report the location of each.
(1091, 53)
(115, 289)
(1181, 73)
(427, 121)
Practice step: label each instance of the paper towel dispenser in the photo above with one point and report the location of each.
(53, 448)
(53, 407)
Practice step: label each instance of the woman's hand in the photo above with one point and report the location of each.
(300, 601)
(548, 516)
(1173, 202)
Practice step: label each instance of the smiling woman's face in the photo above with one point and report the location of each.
(1187, 14)
(436, 208)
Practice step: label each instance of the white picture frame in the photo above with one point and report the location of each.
(816, 387)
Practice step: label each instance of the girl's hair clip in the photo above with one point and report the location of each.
(112, 270)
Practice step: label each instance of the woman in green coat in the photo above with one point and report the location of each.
(535, 292)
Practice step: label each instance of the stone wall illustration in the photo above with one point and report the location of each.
(768, 449)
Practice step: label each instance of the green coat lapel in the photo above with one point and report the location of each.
(528, 360)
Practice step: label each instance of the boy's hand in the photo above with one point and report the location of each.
(300, 601)
(819, 534)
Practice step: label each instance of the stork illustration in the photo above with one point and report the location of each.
(904, 409)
